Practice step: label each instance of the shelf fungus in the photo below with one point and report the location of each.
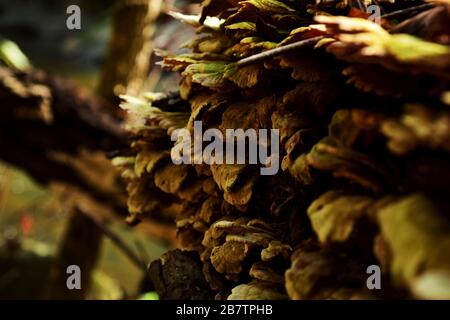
(362, 111)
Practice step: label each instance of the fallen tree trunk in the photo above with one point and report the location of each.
(60, 134)
(43, 116)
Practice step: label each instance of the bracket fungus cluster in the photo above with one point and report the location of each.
(363, 113)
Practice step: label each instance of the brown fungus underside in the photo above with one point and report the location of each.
(364, 121)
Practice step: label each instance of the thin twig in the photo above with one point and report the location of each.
(277, 51)
(407, 10)
(117, 241)
(141, 249)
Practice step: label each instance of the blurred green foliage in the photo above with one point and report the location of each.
(11, 54)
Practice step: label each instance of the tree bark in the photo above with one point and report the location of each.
(45, 116)
(130, 48)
